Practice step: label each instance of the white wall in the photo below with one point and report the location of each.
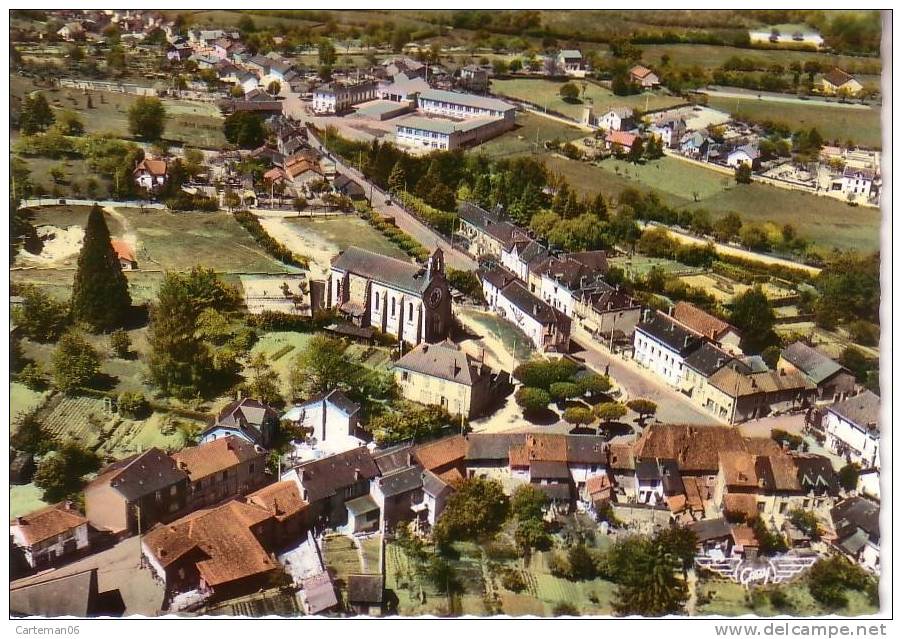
(660, 359)
(865, 449)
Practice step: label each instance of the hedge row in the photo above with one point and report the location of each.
(277, 321)
(252, 225)
(442, 221)
(397, 237)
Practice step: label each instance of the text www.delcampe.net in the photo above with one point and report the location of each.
(788, 629)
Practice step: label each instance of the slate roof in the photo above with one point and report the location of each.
(396, 273)
(395, 458)
(816, 473)
(816, 366)
(347, 186)
(476, 215)
(141, 474)
(856, 513)
(710, 529)
(337, 398)
(492, 446)
(586, 449)
(707, 359)
(322, 478)
(215, 456)
(444, 360)
(735, 384)
(467, 99)
(670, 332)
(365, 589)
(518, 295)
(556, 492)
(74, 595)
(837, 77)
(401, 481)
(435, 485)
(548, 470)
(48, 522)
(862, 410)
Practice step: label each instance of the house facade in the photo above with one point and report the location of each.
(221, 469)
(834, 382)
(662, 345)
(444, 375)
(335, 98)
(465, 106)
(247, 418)
(50, 534)
(852, 427)
(332, 419)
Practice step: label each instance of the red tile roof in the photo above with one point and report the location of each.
(621, 138)
(154, 167)
(700, 321)
(123, 250)
(215, 456)
(450, 450)
(48, 522)
(282, 499)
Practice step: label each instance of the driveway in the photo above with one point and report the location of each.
(636, 382)
(118, 568)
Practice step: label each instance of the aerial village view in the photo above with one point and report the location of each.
(445, 312)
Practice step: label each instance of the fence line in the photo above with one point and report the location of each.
(65, 201)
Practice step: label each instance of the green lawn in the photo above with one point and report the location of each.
(22, 400)
(191, 123)
(531, 132)
(731, 599)
(825, 221)
(24, 499)
(546, 93)
(674, 176)
(861, 126)
(712, 56)
(338, 233)
(341, 557)
(277, 343)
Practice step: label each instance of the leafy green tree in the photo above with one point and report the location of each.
(68, 123)
(476, 510)
(582, 566)
(569, 92)
(40, 317)
(322, 366)
(561, 391)
(100, 295)
(829, 581)
(75, 362)
(528, 502)
(609, 412)
(32, 376)
(264, 381)
(60, 473)
(727, 227)
(409, 422)
(595, 384)
(179, 363)
(542, 373)
(806, 521)
(532, 534)
(120, 343)
(31, 437)
(147, 118)
(848, 476)
(646, 575)
(244, 129)
(274, 87)
(35, 114)
(644, 407)
(743, 173)
(754, 317)
(637, 150)
(133, 405)
(532, 400)
(326, 52)
(578, 415)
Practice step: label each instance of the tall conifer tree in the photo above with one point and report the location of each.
(100, 295)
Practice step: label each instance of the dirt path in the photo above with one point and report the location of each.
(782, 99)
(692, 585)
(128, 235)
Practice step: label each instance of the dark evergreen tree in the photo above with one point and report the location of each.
(100, 295)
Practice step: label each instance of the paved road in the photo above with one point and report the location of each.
(404, 220)
(785, 99)
(636, 382)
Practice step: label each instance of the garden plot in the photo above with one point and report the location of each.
(23, 400)
(289, 294)
(640, 265)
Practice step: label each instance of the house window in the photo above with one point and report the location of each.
(172, 491)
(377, 302)
(393, 312)
(405, 375)
(410, 309)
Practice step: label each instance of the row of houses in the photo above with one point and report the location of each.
(541, 291)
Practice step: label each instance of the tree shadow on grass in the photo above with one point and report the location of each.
(611, 430)
(104, 382)
(543, 417)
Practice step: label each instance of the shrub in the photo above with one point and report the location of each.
(563, 608)
(252, 225)
(794, 442)
(513, 580)
(532, 399)
(578, 415)
(120, 343)
(32, 376)
(864, 332)
(132, 405)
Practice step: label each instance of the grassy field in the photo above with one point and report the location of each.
(531, 132)
(22, 400)
(674, 176)
(341, 557)
(546, 93)
(730, 599)
(825, 221)
(24, 499)
(76, 173)
(860, 126)
(639, 265)
(277, 342)
(190, 123)
(712, 57)
(337, 234)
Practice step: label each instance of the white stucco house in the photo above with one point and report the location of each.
(852, 427)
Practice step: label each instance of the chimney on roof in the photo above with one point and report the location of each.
(670, 311)
(301, 474)
(535, 309)
(183, 465)
(304, 495)
(21, 521)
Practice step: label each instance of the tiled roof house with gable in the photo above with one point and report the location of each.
(409, 301)
(713, 328)
(444, 375)
(49, 534)
(852, 427)
(220, 469)
(138, 491)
